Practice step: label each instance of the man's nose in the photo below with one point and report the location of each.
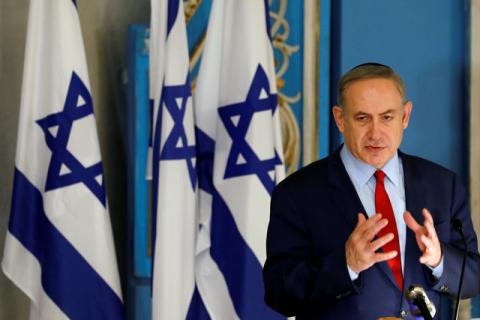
(374, 130)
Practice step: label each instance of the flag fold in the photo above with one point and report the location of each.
(173, 164)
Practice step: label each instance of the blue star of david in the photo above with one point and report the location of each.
(64, 120)
(244, 111)
(176, 145)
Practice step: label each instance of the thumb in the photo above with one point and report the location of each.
(361, 219)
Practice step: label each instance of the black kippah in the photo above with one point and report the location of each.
(376, 64)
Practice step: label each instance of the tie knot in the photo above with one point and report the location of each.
(379, 175)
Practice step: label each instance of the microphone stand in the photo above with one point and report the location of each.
(457, 225)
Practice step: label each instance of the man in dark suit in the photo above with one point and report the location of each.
(350, 233)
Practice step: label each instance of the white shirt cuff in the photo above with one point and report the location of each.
(438, 270)
(354, 275)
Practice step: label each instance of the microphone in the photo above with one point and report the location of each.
(420, 304)
(458, 226)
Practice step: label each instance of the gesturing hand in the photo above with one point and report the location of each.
(427, 239)
(360, 248)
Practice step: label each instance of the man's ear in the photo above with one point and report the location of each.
(407, 110)
(339, 116)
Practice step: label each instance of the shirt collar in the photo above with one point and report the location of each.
(360, 172)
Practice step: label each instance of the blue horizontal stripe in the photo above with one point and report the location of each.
(237, 262)
(67, 278)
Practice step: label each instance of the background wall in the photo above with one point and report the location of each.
(13, 19)
(425, 42)
(104, 25)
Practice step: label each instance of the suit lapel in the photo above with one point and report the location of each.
(342, 191)
(414, 194)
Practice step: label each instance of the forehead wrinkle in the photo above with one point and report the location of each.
(391, 110)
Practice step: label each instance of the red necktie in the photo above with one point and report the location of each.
(384, 206)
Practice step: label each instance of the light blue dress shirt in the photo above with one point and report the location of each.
(362, 176)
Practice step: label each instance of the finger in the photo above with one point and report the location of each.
(357, 231)
(425, 258)
(361, 219)
(420, 244)
(384, 256)
(380, 242)
(411, 222)
(373, 220)
(427, 215)
(369, 222)
(427, 242)
(371, 232)
(431, 232)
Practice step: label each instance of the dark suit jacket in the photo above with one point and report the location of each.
(314, 211)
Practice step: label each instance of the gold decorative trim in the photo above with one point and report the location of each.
(280, 31)
(474, 185)
(475, 114)
(290, 132)
(190, 8)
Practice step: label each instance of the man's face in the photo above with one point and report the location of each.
(373, 119)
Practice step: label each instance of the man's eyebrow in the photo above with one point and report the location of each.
(363, 113)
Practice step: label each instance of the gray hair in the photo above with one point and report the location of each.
(369, 71)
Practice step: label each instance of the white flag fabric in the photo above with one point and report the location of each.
(174, 163)
(59, 248)
(239, 158)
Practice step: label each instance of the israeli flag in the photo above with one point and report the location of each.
(59, 248)
(174, 163)
(239, 158)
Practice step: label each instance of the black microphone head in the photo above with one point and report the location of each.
(412, 292)
(457, 224)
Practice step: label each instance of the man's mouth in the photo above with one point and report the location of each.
(374, 148)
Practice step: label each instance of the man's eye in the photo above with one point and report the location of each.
(361, 118)
(388, 117)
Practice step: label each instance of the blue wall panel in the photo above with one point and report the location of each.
(139, 259)
(425, 42)
(324, 75)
